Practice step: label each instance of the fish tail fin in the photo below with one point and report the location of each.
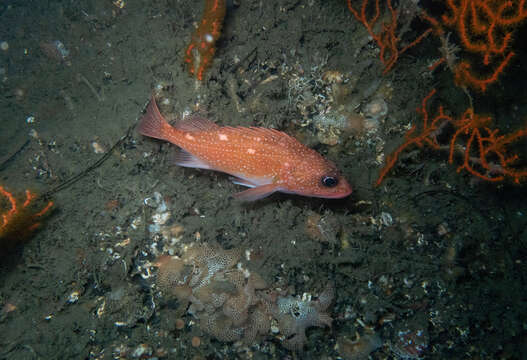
(153, 124)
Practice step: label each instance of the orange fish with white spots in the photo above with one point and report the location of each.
(266, 160)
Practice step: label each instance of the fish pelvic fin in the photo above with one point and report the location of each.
(184, 158)
(256, 193)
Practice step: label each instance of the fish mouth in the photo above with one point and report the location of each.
(336, 195)
(343, 191)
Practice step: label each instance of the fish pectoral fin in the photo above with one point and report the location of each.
(257, 193)
(243, 182)
(186, 159)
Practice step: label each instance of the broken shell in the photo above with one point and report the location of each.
(74, 297)
(274, 327)
(161, 218)
(150, 202)
(123, 243)
(386, 219)
(8, 307)
(101, 308)
(333, 77)
(442, 229)
(135, 223)
(97, 148)
(33, 133)
(248, 254)
(155, 201)
(142, 351)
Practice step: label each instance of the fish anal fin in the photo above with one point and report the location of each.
(256, 193)
(186, 159)
(195, 123)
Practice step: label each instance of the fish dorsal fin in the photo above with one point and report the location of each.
(195, 123)
(265, 134)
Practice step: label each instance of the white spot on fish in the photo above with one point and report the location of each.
(223, 137)
(251, 151)
(190, 137)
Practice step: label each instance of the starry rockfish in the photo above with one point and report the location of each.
(265, 160)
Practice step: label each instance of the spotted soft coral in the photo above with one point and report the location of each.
(231, 303)
(221, 296)
(220, 326)
(189, 278)
(240, 317)
(294, 316)
(208, 261)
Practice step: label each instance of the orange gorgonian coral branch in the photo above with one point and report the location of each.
(387, 38)
(19, 221)
(483, 150)
(484, 28)
(200, 52)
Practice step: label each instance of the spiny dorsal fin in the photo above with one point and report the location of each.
(265, 134)
(195, 123)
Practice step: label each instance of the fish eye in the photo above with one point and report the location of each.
(329, 181)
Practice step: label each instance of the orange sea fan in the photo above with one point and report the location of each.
(18, 221)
